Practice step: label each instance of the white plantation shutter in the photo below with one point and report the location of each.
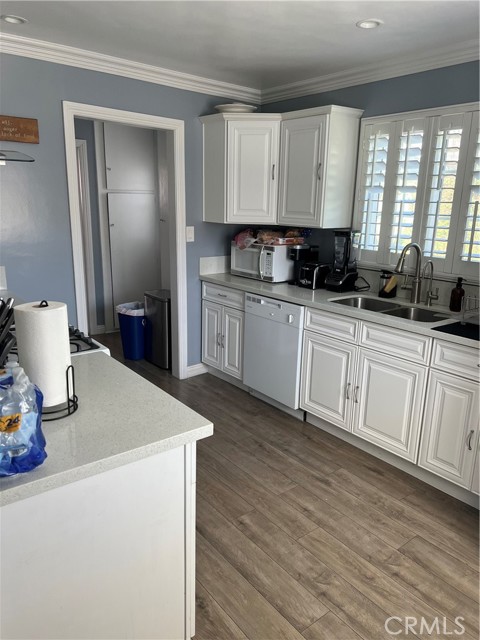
(449, 143)
(410, 142)
(419, 181)
(371, 193)
(467, 250)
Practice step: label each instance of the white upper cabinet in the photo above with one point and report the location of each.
(317, 167)
(240, 168)
(310, 184)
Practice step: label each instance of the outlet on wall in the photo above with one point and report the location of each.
(190, 234)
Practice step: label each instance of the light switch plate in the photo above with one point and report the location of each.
(190, 234)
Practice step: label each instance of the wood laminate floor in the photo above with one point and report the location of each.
(302, 536)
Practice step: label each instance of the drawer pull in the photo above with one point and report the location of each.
(355, 399)
(469, 439)
(222, 295)
(319, 168)
(219, 344)
(347, 390)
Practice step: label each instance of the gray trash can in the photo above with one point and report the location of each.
(158, 341)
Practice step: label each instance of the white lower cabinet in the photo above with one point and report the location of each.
(476, 471)
(327, 373)
(388, 399)
(378, 397)
(222, 338)
(450, 430)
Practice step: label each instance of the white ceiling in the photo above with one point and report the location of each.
(259, 45)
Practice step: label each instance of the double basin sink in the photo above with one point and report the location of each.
(466, 330)
(392, 309)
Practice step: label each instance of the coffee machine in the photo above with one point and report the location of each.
(343, 275)
(301, 254)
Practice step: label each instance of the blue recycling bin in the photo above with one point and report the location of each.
(131, 317)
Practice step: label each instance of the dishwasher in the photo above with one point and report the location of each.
(273, 348)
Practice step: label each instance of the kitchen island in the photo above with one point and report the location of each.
(99, 541)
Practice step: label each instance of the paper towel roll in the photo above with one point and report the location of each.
(44, 347)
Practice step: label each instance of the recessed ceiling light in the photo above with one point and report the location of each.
(14, 19)
(370, 23)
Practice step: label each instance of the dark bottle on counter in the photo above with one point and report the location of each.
(456, 296)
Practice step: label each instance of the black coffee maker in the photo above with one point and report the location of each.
(343, 275)
(301, 254)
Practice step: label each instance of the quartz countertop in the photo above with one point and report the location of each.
(121, 418)
(323, 300)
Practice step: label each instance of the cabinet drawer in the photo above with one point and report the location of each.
(331, 324)
(223, 295)
(401, 344)
(455, 358)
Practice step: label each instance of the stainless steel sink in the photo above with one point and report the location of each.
(369, 304)
(416, 314)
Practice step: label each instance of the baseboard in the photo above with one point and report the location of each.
(404, 465)
(196, 370)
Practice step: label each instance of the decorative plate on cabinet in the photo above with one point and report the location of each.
(235, 107)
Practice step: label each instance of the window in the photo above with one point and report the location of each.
(419, 181)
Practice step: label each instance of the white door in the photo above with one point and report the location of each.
(134, 241)
(449, 439)
(232, 342)
(130, 163)
(388, 402)
(212, 334)
(301, 171)
(327, 376)
(252, 170)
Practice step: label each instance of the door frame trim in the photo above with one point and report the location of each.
(86, 216)
(71, 110)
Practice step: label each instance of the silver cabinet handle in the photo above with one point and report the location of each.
(219, 344)
(273, 172)
(355, 399)
(469, 439)
(319, 175)
(347, 390)
(222, 295)
(223, 342)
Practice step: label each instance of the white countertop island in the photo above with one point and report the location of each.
(99, 541)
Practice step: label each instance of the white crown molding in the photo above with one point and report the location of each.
(73, 57)
(435, 59)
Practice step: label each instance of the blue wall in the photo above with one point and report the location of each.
(35, 243)
(436, 88)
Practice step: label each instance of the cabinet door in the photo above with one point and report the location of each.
(388, 402)
(301, 171)
(475, 487)
(252, 159)
(211, 334)
(232, 342)
(327, 375)
(450, 428)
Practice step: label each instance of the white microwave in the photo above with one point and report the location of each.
(262, 262)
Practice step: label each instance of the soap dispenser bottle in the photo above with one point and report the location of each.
(456, 296)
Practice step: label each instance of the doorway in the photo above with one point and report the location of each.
(176, 267)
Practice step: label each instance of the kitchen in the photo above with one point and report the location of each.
(36, 236)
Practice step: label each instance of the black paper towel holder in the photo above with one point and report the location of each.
(67, 408)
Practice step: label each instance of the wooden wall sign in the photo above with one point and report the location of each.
(19, 129)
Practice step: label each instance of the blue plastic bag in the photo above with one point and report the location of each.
(22, 443)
